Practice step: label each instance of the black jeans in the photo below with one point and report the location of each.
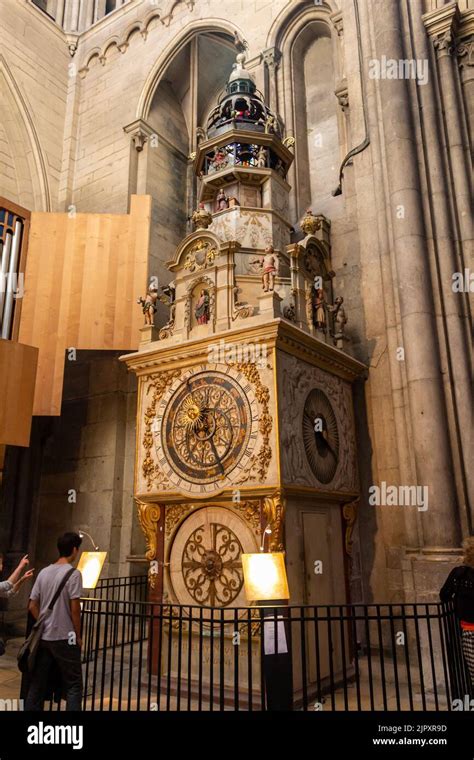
(67, 658)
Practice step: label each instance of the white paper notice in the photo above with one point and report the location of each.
(269, 636)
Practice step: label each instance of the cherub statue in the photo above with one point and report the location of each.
(269, 264)
(148, 304)
(340, 321)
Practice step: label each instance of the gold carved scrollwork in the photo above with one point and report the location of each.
(274, 512)
(258, 464)
(148, 517)
(250, 511)
(349, 512)
(173, 515)
(151, 470)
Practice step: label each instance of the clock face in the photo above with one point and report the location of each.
(321, 436)
(206, 428)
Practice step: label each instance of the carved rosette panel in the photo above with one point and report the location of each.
(296, 380)
(211, 565)
(205, 565)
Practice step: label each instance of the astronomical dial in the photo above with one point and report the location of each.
(206, 428)
(320, 436)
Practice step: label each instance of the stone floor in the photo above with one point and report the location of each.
(132, 700)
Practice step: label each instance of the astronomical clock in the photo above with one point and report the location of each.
(245, 429)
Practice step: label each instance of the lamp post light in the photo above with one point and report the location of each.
(90, 563)
(265, 581)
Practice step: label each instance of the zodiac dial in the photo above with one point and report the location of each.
(207, 428)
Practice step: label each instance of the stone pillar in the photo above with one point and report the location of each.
(465, 56)
(140, 133)
(441, 28)
(424, 381)
(59, 13)
(271, 59)
(452, 308)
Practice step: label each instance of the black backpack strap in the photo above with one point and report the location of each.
(60, 588)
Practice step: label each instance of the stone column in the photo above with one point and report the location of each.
(271, 59)
(140, 133)
(424, 381)
(440, 26)
(465, 55)
(452, 308)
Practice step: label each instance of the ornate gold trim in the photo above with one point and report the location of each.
(274, 511)
(174, 514)
(258, 464)
(250, 511)
(148, 517)
(349, 513)
(159, 382)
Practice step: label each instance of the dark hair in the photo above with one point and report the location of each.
(67, 542)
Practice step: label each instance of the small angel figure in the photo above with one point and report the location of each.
(148, 304)
(340, 321)
(268, 264)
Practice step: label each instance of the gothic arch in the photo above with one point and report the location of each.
(296, 33)
(26, 149)
(173, 48)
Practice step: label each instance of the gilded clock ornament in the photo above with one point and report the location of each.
(208, 427)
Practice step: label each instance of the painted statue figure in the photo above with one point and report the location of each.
(222, 201)
(202, 310)
(261, 158)
(268, 264)
(148, 305)
(340, 321)
(319, 309)
(219, 160)
(269, 123)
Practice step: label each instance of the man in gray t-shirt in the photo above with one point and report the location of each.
(61, 636)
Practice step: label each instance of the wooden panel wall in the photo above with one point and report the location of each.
(17, 386)
(83, 276)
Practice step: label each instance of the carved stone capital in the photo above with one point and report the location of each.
(336, 19)
(465, 52)
(139, 132)
(441, 25)
(272, 57)
(342, 94)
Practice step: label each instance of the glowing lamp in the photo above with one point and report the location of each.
(90, 565)
(265, 577)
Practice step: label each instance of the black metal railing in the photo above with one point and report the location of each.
(145, 656)
(132, 588)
